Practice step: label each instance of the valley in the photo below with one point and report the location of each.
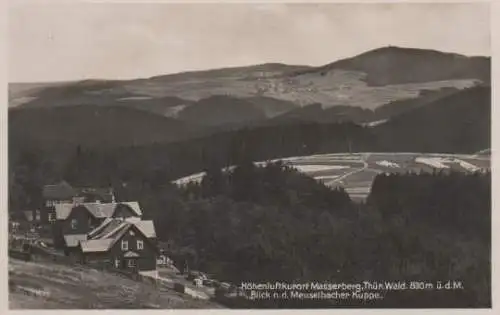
(355, 172)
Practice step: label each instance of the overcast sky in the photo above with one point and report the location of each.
(53, 42)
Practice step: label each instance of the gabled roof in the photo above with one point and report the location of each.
(102, 194)
(147, 228)
(134, 205)
(100, 228)
(110, 231)
(74, 240)
(98, 210)
(96, 245)
(60, 191)
(63, 210)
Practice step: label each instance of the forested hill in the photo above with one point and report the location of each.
(391, 65)
(272, 223)
(87, 125)
(460, 122)
(455, 124)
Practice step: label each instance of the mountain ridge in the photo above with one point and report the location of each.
(394, 59)
(371, 86)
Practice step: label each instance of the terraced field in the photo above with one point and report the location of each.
(356, 172)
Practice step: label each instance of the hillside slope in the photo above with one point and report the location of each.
(321, 114)
(221, 110)
(83, 288)
(460, 122)
(96, 126)
(271, 106)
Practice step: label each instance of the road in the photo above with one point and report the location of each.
(364, 159)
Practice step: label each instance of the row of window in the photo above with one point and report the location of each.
(140, 245)
(38, 217)
(76, 200)
(52, 203)
(130, 263)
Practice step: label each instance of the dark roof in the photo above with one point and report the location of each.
(60, 191)
(63, 191)
(98, 210)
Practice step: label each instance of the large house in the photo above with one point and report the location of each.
(127, 244)
(74, 221)
(64, 193)
(55, 194)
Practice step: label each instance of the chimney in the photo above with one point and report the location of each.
(111, 192)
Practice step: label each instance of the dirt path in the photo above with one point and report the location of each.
(364, 158)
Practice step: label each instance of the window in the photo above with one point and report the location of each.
(49, 203)
(117, 263)
(37, 215)
(124, 245)
(131, 263)
(74, 223)
(52, 217)
(140, 244)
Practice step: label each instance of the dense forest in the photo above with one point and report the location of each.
(111, 166)
(272, 223)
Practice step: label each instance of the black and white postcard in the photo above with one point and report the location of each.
(249, 155)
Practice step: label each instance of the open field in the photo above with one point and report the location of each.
(335, 87)
(55, 286)
(356, 172)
